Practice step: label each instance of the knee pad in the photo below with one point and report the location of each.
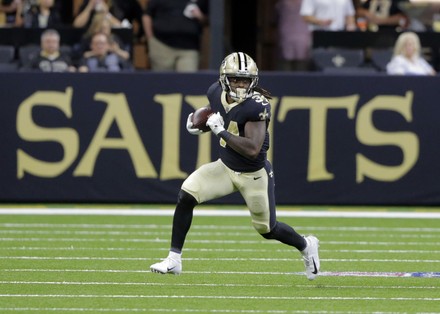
(261, 228)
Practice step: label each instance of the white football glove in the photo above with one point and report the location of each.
(189, 126)
(215, 122)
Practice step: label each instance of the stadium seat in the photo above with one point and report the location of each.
(6, 53)
(26, 53)
(380, 58)
(8, 67)
(337, 58)
(350, 70)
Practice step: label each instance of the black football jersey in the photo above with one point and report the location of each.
(235, 115)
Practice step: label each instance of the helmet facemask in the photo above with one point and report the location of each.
(239, 94)
(239, 65)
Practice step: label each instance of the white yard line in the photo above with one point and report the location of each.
(210, 227)
(219, 259)
(216, 212)
(144, 249)
(213, 297)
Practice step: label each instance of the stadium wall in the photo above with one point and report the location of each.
(343, 140)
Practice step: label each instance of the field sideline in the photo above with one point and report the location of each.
(95, 259)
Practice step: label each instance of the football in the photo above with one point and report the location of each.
(200, 117)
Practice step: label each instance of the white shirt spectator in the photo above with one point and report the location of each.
(399, 65)
(407, 58)
(330, 15)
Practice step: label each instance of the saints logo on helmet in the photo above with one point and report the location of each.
(238, 64)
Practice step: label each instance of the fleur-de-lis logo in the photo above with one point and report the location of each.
(338, 61)
(264, 115)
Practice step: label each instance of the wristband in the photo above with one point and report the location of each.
(225, 135)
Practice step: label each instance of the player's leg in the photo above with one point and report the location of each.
(208, 182)
(259, 195)
(257, 189)
(181, 223)
(182, 220)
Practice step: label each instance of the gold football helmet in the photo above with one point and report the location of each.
(238, 64)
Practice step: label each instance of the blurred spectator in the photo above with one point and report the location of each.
(122, 13)
(50, 58)
(329, 15)
(130, 13)
(407, 58)
(173, 30)
(295, 39)
(65, 9)
(382, 14)
(102, 24)
(101, 59)
(10, 12)
(89, 8)
(41, 15)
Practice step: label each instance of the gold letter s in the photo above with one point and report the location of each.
(369, 135)
(28, 130)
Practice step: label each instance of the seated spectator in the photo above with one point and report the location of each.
(101, 59)
(42, 15)
(10, 9)
(89, 8)
(50, 58)
(407, 58)
(101, 24)
(382, 14)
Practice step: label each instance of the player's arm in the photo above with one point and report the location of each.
(147, 22)
(315, 21)
(395, 19)
(248, 145)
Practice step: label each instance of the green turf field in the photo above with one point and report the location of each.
(100, 264)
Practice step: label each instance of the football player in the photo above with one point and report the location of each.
(241, 124)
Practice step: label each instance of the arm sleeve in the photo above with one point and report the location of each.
(307, 8)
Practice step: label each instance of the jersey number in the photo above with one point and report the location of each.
(233, 129)
(260, 99)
